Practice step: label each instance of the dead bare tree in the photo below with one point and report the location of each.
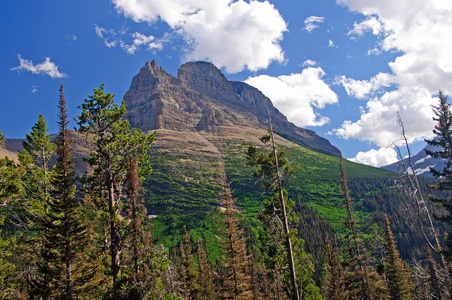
(410, 185)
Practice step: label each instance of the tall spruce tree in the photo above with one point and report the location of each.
(114, 144)
(333, 282)
(397, 277)
(65, 238)
(274, 171)
(188, 276)
(236, 281)
(361, 281)
(139, 252)
(206, 276)
(443, 150)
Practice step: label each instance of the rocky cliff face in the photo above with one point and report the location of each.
(202, 99)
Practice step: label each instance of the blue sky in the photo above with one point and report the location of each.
(342, 68)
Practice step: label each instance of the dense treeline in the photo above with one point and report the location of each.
(321, 237)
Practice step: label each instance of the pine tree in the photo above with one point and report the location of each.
(114, 144)
(275, 172)
(333, 283)
(2, 139)
(236, 282)
(361, 282)
(396, 274)
(189, 284)
(139, 252)
(65, 238)
(252, 270)
(34, 160)
(207, 289)
(443, 141)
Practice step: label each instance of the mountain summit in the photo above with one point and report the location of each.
(202, 99)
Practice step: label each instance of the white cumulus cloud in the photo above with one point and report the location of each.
(45, 68)
(309, 63)
(376, 158)
(378, 121)
(231, 34)
(297, 95)
(419, 32)
(370, 24)
(362, 88)
(310, 23)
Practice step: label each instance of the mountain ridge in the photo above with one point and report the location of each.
(421, 163)
(201, 98)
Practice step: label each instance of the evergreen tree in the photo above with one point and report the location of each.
(333, 283)
(361, 281)
(275, 172)
(235, 281)
(2, 139)
(139, 252)
(443, 141)
(396, 274)
(65, 238)
(35, 158)
(114, 145)
(207, 289)
(30, 209)
(189, 284)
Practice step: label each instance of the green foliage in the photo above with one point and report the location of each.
(115, 144)
(65, 264)
(11, 187)
(7, 269)
(35, 159)
(361, 281)
(396, 274)
(2, 139)
(333, 279)
(443, 133)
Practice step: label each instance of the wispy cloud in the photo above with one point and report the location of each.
(45, 68)
(71, 38)
(107, 35)
(311, 23)
(112, 38)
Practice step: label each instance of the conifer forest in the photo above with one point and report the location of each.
(115, 222)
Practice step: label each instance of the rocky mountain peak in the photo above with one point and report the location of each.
(201, 98)
(201, 74)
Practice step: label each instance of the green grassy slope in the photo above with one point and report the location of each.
(188, 194)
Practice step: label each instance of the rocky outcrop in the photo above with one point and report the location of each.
(201, 98)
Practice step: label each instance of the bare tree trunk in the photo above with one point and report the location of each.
(416, 194)
(114, 236)
(293, 274)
